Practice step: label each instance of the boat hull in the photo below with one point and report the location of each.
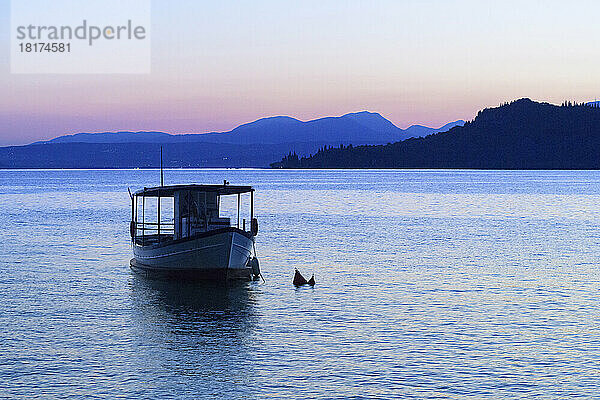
(216, 255)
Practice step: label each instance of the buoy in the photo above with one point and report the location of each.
(132, 229)
(254, 226)
(254, 263)
(255, 266)
(299, 279)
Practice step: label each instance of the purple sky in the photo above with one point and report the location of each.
(215, 66)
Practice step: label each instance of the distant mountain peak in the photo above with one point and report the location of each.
(361, 113)
(280, 119)
(371, 120)
(111, 137)
(364, 114)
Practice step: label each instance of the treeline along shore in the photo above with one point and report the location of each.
(522, 134)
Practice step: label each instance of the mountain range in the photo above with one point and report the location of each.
(356, 128)
(255, 144)
(519, 135)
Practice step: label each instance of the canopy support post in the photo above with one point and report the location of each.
(189, 213)
(251, 205)
(158, 216)
(144, 218)
(239, 196)
(134, 215)
(205, 212)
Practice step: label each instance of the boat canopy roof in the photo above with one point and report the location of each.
(166, 191)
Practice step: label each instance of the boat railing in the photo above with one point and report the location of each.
(148, 233)
(150, 228)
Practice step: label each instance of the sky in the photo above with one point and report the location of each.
(218, 64)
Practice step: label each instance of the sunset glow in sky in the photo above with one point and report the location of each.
(218, 64)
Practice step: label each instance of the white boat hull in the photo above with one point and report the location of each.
(220, 254)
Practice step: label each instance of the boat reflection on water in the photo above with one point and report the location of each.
(201, 329)
(195, 304)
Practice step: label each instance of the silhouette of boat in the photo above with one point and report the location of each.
(194, 241)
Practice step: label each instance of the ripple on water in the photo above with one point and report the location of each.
(430, 284)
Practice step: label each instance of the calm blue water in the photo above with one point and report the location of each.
(430, 284)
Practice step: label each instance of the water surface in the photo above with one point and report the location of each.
(447, 284)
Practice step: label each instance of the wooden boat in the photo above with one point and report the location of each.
(189, 238)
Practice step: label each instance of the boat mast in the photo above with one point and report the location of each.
(159, 215)
(161, 185)
(162, 181)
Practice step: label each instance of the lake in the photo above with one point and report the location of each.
(429, 284)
